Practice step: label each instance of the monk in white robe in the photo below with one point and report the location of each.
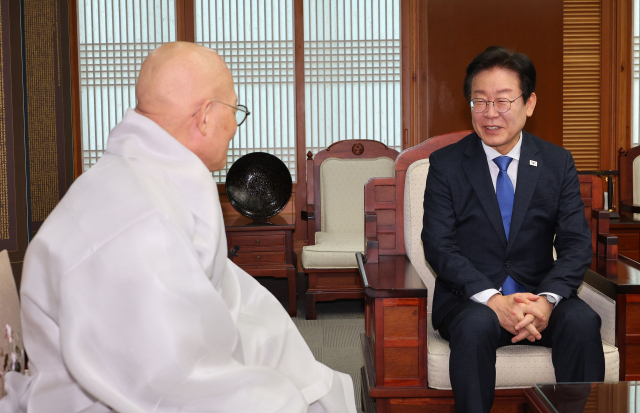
(129, 302)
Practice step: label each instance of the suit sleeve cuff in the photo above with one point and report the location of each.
(483, 296)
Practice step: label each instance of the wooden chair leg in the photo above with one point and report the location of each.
(310, 303)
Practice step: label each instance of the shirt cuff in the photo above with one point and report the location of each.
(553, 296)
(483, 296)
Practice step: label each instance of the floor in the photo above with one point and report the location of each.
(334, 338)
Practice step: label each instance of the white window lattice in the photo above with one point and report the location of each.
(352, 66)
(114, 38)
(256, 40)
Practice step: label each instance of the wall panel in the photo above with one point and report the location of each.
(48, 94)
(458, 30)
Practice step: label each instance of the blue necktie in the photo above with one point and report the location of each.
(504, 192)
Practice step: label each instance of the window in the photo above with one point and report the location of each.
(352, 68)
(113, 40)
(255, 38)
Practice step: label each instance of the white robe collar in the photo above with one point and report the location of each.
(138, 137)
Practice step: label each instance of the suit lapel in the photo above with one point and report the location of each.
(527, 179)
(477, 171)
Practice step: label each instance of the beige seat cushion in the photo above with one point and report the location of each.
(516, 366)
(342, 210)
(333, 250)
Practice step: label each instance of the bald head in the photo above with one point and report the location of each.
(176, 78)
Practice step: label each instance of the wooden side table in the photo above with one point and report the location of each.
(620, 280)
(265, 250)
(628, 233)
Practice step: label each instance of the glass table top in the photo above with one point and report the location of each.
(621, 397)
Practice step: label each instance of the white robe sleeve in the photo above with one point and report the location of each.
(142, 329)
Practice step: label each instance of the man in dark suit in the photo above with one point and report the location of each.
(493, 204)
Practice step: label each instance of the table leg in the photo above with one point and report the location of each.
(292, 277)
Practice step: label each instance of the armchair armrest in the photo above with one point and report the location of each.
(604, 306)
(370, 233)
(633, 208)
(309, 215)
(607, 245)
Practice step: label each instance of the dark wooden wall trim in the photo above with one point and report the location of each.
(412, 23)
(300, 189)
(617, 49)
(10, 15)
(185, 20)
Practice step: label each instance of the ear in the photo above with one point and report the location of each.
(531, 104)
(203, 116)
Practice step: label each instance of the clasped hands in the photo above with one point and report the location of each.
(525, 315)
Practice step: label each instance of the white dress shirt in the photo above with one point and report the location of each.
(484, 296)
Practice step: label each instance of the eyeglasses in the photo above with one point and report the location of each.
(501, 105)
(241, 111)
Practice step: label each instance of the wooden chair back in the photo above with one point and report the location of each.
(625, 166)
(384, 199)
(346, 149)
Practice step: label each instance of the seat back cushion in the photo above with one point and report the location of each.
(342, 191)
(636, 185)
(414, 185)
(11, 332)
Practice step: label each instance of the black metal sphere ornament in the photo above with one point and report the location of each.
(259, 186)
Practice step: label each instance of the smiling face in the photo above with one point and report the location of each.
(500, 130)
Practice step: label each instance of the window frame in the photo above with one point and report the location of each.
(411, 79)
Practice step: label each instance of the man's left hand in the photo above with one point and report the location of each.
(545, 308)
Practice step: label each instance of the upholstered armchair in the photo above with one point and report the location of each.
(405, 208)
(335, 208)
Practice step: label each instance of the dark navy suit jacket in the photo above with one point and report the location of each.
(463, 236)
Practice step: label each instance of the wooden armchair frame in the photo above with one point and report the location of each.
(385, 349)
(331, 284)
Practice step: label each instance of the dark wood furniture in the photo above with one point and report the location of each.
(583, 397)
(620, 280)
(593, 199)
(626, 228)
(395, 344)
(330, 284)
(265, 250)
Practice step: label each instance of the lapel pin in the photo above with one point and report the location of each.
(533, 163)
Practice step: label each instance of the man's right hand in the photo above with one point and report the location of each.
(510, 312)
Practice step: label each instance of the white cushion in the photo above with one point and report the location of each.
(342, 191)
(414, 185)
(333, 250)
(516, 366)
(604, 306)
